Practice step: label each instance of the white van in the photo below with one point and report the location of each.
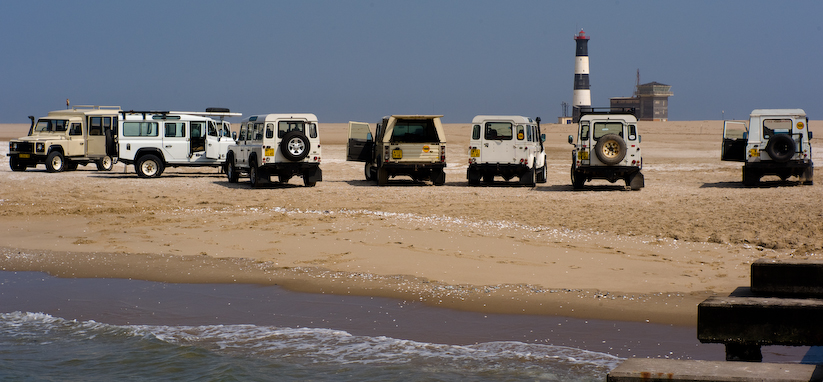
(507, 146)
(153, 140)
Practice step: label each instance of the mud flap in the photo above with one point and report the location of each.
(313, 176)
(527, 177)
(808, 176)
(636, 181)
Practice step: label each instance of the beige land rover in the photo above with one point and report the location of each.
(410, 145)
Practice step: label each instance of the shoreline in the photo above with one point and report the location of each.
(662, 308)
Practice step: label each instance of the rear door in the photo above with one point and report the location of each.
(735, 135)
(361, 142)
(498, 142)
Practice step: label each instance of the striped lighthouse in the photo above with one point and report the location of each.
(582, 95)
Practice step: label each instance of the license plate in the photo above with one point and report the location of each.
(475, 153)
(583, 155)
(24, 156)
(269, 152)
(397, 154)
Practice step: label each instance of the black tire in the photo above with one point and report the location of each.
(367, 169)
(781, 148)
(149, 166)
(382, 176)
(105, 164)
(578, 179)
(294, 146)
(55, 162)
(17, 165)
(636, 181)
(542, 174)
(231, 170)
(307, 182)
(474, 177)
(610, 149)
(751, 178)
(254, 174)
(529, 178)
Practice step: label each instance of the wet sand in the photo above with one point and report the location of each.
(601, 253)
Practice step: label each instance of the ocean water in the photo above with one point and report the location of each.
(42, 347)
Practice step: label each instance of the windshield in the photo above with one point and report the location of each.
(414, 131)
(51, 125)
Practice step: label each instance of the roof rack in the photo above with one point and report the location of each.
(210, 112)
(580, 111)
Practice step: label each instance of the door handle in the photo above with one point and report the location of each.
(168, 146)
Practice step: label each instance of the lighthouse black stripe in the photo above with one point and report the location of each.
(581, 81)
(582, 47)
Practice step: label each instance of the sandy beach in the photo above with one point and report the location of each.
(603, 252)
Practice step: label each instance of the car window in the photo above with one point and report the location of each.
(414, 131)
(140, 129)
(498, 131)
(476, 132)
(521, 133)
(776, 126)
(584, 132)
(174, 129)
(284, 127)
(603, 128)
(243, 130)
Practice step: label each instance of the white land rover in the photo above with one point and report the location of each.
(155, 140)
(775, 142)
(64, 139)
(508, 146)
(608, 147)
(411, 145)
(284, 145)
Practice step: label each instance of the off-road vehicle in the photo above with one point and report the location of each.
(64, 139)
(411, 145)
(775, 142)
(156, 140)
(508, 146)
(608, 147)
(284, 145)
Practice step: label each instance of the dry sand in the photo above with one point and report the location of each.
(604, 252)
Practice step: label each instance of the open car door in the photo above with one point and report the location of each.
(735, 136)
(360, 144)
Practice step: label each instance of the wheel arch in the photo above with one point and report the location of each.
(146, 151)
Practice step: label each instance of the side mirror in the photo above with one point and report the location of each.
(234, 135)
(571, 140)
(810, 134)
(542, 137)
(369, 138)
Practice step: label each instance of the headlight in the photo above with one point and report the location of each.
(12, 146)
(40, 147)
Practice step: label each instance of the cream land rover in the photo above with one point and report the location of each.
(64, 139)
(410, 145)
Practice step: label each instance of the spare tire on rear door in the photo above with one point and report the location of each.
(294, 146)
(781, 147)
(610, 149)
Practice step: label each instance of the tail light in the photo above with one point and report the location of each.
(442, 153)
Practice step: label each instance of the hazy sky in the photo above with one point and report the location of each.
(360, 60)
